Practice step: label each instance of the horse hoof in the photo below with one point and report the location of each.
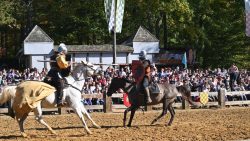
(53, 132)
(97, 126)
(153, 122)
(25, 135)
(89, 132)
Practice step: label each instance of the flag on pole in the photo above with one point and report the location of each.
(112, 15)
(247, 11)
(119, 15)
(184, 59)
(107, 6)
(110, 10)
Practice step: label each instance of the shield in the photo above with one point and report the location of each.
(138, 71)
(126, 100)
(203, 98)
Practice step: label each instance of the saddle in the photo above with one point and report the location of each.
(49, 80)
(154, 88)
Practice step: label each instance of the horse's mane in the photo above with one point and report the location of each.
(132, 83)
(123, 79)
(76, 68)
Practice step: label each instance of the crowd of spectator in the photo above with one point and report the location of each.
(198, 80)
(14, 76)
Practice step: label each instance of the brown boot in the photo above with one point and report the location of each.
(148, 95)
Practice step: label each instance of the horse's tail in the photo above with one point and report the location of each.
(186, 94)
(7, 93)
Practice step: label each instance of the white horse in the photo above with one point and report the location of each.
(71, 94)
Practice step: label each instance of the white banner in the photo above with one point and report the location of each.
(110, 14)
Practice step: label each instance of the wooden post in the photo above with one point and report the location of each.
(59, 111)
(107, 105)
(221, 98)
(184, 104)
(62, 110)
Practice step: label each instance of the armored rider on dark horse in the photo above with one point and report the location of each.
(147, 77)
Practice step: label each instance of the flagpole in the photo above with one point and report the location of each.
(114, 30)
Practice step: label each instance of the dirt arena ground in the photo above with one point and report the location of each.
(195, 124)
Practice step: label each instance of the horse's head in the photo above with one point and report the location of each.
(115, 84)
(92, 69)
(186, 93)
(84, 70)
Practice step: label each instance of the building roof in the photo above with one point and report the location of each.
(97, 48)
(143, 35)
(38, 35)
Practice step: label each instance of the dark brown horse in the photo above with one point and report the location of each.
(166, 96)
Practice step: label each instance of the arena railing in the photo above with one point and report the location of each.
(219, 99)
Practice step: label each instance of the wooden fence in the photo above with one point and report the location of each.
(220, 100)
(109, 107)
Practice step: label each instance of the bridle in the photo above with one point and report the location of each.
(83, 71)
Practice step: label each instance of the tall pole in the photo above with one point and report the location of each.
(165, 30)
(114, 31)
(29, 6)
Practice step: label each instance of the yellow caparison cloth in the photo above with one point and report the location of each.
(29, 94)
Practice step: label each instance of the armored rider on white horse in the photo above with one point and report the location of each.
(59, 68)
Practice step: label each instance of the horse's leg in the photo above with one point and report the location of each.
(38, 116)
(85, 113)
(78, 111)
(173, 109)
(125, 115)
(172, 112)
(20, 123)
(132, 115)
(164, 112)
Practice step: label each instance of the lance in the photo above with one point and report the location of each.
(52, 61)
(104, 64)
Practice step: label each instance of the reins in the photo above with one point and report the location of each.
(130, 86)
(85, 71)
(73, 87)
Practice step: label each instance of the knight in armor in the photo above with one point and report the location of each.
(147, 76)
(59, 68)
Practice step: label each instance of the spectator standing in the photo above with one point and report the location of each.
(233, 72)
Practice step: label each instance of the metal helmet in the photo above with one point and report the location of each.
(142, 55)
(62, 47)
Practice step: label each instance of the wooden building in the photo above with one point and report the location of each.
(39, 46)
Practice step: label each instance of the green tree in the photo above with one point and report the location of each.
(221, 24)
(215, 29)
